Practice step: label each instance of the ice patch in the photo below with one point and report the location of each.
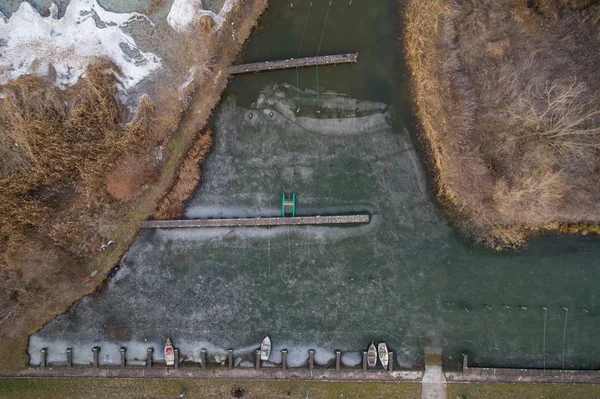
(184, 13)
(31, 43)
(351, 359)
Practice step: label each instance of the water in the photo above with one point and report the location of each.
(407, 278)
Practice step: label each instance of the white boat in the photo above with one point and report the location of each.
(383, 354)
(265, 349)
(169, 353)
(372, 355)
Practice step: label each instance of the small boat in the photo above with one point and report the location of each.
(372, 355)
(169, 353)
(383, 354)
(265, 349)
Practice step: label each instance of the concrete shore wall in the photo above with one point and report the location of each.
(227, 369)
(493, 374)
(271, 371)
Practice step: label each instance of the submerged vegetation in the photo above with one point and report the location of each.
(79, 173)
(507, 97)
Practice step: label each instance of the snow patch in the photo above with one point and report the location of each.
(31, 43)
(184, 13)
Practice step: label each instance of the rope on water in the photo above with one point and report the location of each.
(297, 91)
(304, 30)
(324, 26)
(298, 55)
(318, 98)
(318, 51)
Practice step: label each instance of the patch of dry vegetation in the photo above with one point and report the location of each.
(75, 174)
(188, 178)
(507, 97)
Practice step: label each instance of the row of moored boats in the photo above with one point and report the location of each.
(380, 351)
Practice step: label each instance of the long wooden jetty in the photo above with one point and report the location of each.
(293, 63)
(257, 221)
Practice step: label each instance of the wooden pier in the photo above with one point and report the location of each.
(293, 63)
(257, 221)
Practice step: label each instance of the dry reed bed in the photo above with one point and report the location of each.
(80, 177)
(506, 93)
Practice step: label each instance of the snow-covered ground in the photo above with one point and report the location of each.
(184, 13)
(32, 43)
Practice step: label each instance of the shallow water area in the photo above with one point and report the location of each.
(406, 278)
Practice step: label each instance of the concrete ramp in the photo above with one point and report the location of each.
(433, 385)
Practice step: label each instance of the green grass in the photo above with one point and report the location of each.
(522, 391)
(115, 388)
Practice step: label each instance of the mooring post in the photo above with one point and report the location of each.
(230, 359)
(176, 353)
(311, 359)
(284, 359)
(149, 357)
(465, 362)
(69, 358)
(96, 354)
(257, 359)
(203, 358)
(338, 359)
(364, 360)
(43, 357)
(391, 363)
(123, 350)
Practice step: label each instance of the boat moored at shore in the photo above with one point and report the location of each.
(383, 354)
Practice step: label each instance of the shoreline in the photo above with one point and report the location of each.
(500, 203)
(245, 15)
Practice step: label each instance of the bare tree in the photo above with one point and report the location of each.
(561, 115)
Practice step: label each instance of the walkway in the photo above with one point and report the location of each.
(293, 63)
(257, 221)
(433, 384)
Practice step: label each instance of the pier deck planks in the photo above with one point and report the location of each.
(293, 62)
(251, 222)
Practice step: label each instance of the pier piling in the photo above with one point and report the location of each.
(149, 357)
(257, 359)
(176, 353)
(338, 360)
(203, 358)
(43, 357)
(465, 362)
(230, 359)
(123, 350)
(69, 357)
(364, 360)
(284, 359)
(311, 359)
(391, 364)
(96, 354)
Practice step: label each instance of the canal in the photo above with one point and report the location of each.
(344, 145)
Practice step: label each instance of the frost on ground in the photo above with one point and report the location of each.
(184, 13)
(32, 44)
